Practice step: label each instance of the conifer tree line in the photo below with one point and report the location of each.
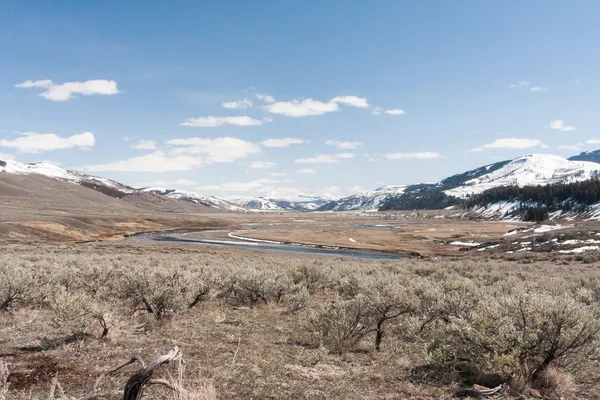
(536, 202)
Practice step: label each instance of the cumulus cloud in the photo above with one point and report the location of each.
(560, 125)
(343, 145)
(376, 111)
(237, 104)
(520, 84)
(277, 174)
(33, 142)
(593, 141)
(308, 107)
(64, 91)
(304, 171)
(157, 161)
(262, 164)
(345, 155)
(225, 149)
(419, 156)
(240, 186)
(573, 147)
(352, 101)
(539, 89)
(265, 97)
(302, 108)
(211, 122)
(144, 144)
(510, 143)
(281, 142)
(325, 158)
(167, 184)
(319, 158)
(395, 111)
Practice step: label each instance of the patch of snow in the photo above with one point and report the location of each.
(580, 250)
(457, 243)
(549, 228)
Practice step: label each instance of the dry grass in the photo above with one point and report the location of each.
(248, 337)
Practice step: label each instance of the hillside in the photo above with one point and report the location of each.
(592, 156)
(277, 201)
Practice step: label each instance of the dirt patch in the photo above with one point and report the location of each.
(40, 370)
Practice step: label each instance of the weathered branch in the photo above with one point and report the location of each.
(134, 387)
(92, 392)
(478, 391)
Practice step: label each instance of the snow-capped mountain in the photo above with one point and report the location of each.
(593, 156)
(53, 171)
(532, 169)
(370, 200)
(210, 201)
(282, 201)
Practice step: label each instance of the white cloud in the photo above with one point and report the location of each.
(33, 142)
(240, 186)
(168, 184)
(265, 97)
(345, 155)
(376, 111)
(520, 84)
(538, 89)
(510, 143)
(574, 147)
(352, 101)
(277, 174)
(319, 158)
(225, 149)
(281, 142)
(593, 141)
(237, 104)
(267, 119)
(306, 171)
(144, 144)
(63, 92)
(262, 164)
(370, 157)
(211, 122)
(157, 161)
(6, 157)
(561, 126)
(343, 145)
(308, 107)
(419, 156)
(395, 111)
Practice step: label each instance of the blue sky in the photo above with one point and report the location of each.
(189, 94)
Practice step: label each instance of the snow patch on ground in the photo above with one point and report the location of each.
(580, 250)
(470, 244)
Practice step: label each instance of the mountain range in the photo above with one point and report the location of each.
(532, 169)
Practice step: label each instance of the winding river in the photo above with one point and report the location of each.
(231, 240)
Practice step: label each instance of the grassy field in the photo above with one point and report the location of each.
(254, 325)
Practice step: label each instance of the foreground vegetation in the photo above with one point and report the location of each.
(286, 327)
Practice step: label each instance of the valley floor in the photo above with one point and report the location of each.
(234, 346)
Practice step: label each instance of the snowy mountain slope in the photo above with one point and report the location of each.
(532, 169)
(53, 171)
(370, 200)
(283, 201)
(210, 201)
(593, 156)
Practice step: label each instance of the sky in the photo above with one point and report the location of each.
(243, 98)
